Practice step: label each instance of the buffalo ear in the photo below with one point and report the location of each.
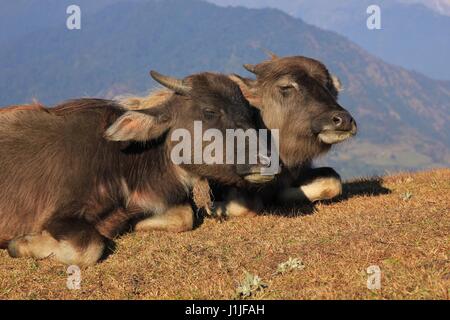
(138, 126)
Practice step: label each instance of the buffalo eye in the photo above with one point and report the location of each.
(287, 88)
(210, 114)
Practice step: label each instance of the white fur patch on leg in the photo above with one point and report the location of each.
(322, 189)
(43, 245)
(239, 208)
(240, 204)
(177, 219)
(39, 246)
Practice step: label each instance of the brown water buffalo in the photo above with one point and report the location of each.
(298, 96)
(73, 176)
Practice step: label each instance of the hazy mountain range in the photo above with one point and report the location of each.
(291, 6)
(440, 6)
(414, 34)
(403, 116)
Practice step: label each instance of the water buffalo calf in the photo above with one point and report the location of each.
(298, 96)
(72, 176)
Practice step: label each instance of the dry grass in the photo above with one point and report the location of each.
(401, 224)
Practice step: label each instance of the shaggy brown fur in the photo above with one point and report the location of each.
(76, 174)
(201, 194)
(293, 113)
(155, 98)
(297, 96)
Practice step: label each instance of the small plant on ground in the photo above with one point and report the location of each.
(291, 264)
(250, 286)
(406, 196)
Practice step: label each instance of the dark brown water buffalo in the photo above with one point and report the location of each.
(74, 175)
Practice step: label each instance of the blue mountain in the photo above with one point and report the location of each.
(403, 116)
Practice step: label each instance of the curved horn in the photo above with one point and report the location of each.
(172, 83)
(250, 68)
(337, 83)
(272, 55)
(241, 80)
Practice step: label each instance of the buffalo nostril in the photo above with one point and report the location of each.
(337, 121)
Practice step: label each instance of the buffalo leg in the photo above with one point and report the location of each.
(176, 219)
(316, 185)
(238, 203)
(70, 241)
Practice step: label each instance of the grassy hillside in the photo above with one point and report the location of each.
(400, 223)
